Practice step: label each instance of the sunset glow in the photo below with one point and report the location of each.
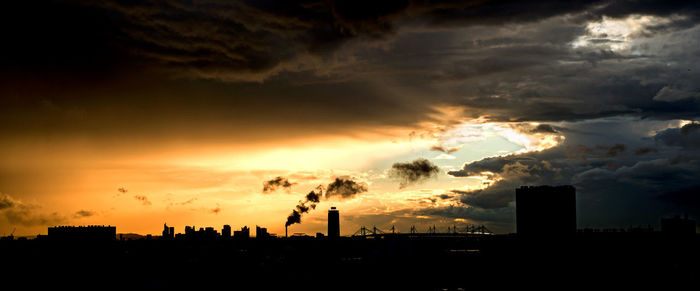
(178, 112)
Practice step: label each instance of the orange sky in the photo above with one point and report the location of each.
(191, 105)
(182, 183)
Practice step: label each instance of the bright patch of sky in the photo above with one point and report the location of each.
(617, 34)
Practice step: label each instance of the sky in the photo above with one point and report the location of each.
(139, 113)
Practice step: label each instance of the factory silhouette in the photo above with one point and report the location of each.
(460, 258)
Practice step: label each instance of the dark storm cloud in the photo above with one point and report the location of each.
(277, 183)
(612, 189)
(543, 128)
(614, 150)
(158, 70)
(210, 39)
(152, 68)
(645, 150)
(345, 188)
(690, 128)
(687, 136)
(215, 39)
(413, 172)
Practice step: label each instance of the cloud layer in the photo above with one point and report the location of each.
(615, 187)
(84, 82)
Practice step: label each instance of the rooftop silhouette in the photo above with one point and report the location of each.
(437, 257)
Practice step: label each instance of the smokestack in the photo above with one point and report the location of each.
(333, 223)
(285, 231)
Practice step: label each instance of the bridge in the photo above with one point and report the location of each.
(468, 230)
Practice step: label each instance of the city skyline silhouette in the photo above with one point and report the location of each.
(387, 145)
(561, 250)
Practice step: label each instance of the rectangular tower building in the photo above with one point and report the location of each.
(545, 210)
(333, 223)
(226, 231)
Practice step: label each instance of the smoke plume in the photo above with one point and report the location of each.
(277, 183)
(345, 188)
(413, 172)
(342, 187)
(304, 206)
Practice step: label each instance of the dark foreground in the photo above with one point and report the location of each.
(598, 260)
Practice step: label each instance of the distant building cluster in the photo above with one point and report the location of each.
(209, 233)
(83, 233)
(541, 211)
(678, 226)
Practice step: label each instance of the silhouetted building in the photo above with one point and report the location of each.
(168, 232)
(226, 231)
(641, 229)
(210, 233)
(83, 233)
(261, 232)
(243, 233)
(678, 226)
(545, 210)
(333, 223)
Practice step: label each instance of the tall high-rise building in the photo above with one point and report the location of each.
(333, 223)
(189, 231)
(261, 232)
(226, 231)
(545, 210)
(168, 232)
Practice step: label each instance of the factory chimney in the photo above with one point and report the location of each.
(333, 223)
